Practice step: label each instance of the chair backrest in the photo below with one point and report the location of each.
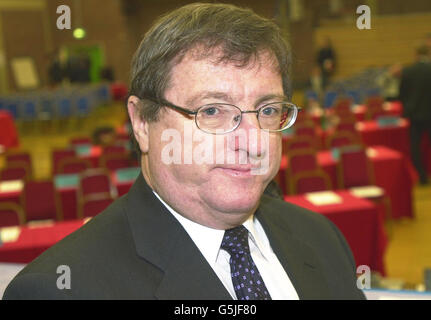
(95, 192)
(343, 138)
(94, 204)
(114, 149)
(298, 142)
(73, 165)
(41, 201)
(354, 168)
(375, 108)
(302, 160)
(58, 155)
(95, 181)
(305, 129)
(346, 125)
(115, 161)
(17, 170)
(22, 156)
(11, 214)
(310, 181)
(80, 140)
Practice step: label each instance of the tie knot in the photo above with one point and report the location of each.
(235, 241)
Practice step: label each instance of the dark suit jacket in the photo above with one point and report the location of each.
(136, 249)
(415, 92)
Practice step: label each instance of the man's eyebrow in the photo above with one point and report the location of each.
(274, 97)
(192, 101)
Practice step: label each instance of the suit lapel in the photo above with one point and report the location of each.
(297, 258)
(161, 240)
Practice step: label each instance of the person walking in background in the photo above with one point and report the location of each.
(415, 94)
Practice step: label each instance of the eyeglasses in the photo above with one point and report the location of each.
(221, 118)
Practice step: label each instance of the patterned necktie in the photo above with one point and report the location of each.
(246, 279)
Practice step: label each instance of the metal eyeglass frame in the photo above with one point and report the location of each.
(194, 113)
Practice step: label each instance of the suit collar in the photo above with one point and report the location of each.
(161, 240)
(297, 258)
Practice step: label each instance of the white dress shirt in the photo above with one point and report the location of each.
(208, 240)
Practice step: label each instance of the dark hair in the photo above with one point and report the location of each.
(239, 33)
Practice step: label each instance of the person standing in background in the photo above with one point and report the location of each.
(326, 60)
(415, 94)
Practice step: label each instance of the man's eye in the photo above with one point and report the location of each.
(210, 111)
(269, 111)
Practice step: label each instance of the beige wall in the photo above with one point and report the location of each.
(392, 39)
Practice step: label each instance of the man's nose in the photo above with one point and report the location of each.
(248, 136)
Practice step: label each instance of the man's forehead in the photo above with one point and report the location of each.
(218, 56)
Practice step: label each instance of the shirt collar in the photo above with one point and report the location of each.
(209, 240)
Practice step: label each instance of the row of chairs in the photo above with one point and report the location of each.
(40, 200)
(353, 170)
(65, 161)
(61, 103)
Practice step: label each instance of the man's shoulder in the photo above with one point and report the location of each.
(294, 214)
(310, 227)
(86, 252)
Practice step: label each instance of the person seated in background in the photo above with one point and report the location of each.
(202, 229)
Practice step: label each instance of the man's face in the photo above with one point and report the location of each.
(215, 192)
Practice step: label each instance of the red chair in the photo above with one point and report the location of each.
(73, 165)
(115, 161)
(21, 157)
(80, 140)
(354, 169)
(339, 139)
(300, 160)
(346, 124)
(114, 149)
(306, 129)
(94, 204)
(298, 142)
(95, 192)
(58, 155)
(375, 108)
(122, 138)
(310, 181)
(41, 201)
(17, 170)
(11, 214)
(342, 108)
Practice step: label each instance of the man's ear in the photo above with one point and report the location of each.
(139, 125)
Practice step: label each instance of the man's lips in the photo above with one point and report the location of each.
(237, 170)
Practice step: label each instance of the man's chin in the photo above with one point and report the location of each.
(234, 201)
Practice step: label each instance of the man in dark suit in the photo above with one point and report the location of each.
(208, 103)
(415, 94)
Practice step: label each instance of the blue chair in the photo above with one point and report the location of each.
(64, 108)
(83, 106)
(329, 99)
(29, 109)
(355, 95)
(11, 106)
